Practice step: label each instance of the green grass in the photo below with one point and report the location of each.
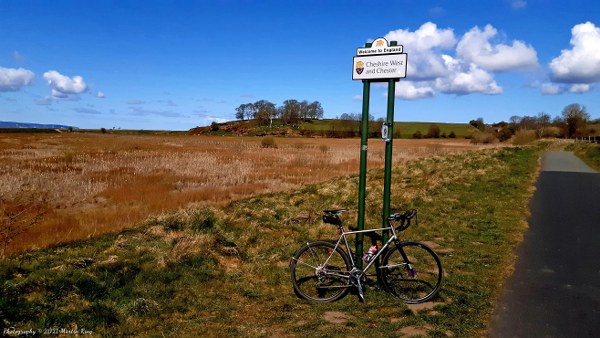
(224, 271)
(588, 152)
(407, 129)
(325, 126)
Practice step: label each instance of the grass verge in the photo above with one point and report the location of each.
(588, 152)
(224, 271)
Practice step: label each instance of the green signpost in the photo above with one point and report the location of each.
(377, 62)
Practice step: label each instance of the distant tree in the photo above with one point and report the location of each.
(543, 122)
(314, 110)
(575, 117)
(479, 124)
(452, 134)
(417, 135)
(304, 111)
(434, 131)
(346, 116)
(265, 112)
(214, 126)
(245, 111)
(103, 130)
(290, 112)
(515, 120)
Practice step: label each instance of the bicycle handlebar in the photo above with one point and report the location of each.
(404, 219)
(332, 217)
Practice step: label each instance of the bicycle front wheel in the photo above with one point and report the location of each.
(412, 272)
(320, 272)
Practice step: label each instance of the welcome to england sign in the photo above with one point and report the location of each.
(379, 62)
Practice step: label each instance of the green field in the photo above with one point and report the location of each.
(329, 128)
(406, 129)
(220, 272)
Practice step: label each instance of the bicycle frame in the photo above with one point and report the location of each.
(343, 235)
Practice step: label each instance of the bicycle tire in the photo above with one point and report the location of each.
(414, 281)
(316, 281)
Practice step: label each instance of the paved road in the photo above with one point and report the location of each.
(555, 289)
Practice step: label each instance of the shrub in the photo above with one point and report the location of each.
(524, 137)
(417, 135)
(268, 142)
(171, 222)
(452, 134)
(434, 131)
(504, 134)
(551, 132)
(481, 137)
(203, 220)
(142, 307)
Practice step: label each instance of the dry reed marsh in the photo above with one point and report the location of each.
(64, 187)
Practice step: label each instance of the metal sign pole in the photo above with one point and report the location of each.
(387, 178)
(362, 181)
(379, 61)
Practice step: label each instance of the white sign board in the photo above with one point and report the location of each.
(389, 66)
(378, 47)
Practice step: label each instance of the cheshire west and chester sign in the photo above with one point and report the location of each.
(379, 62)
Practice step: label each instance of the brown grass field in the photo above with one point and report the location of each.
(64, 187)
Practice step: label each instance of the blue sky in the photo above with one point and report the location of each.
(180, 64)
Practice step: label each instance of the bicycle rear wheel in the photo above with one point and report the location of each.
(412, 272)
(320, 272)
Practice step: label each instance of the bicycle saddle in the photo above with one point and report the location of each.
(335, 211)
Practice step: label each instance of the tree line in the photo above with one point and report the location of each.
(290, 112)
(574, 121)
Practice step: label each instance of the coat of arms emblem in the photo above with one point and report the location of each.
(360, 66)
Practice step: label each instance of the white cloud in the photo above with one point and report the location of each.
(423, 46)
(100, 95)
(580, 88)
(581, 64)
(475, 47)
(550, 89)
(437, 11)
(518, 4)
(12, 79)
(210, 119)
(84, 110)
(136, 102)
(439, 61)
(357, 98)
(141, 111)
(427, 37)
(63, 86)
(44, 101)
(408, 91)
(466, 78)
(18, 57)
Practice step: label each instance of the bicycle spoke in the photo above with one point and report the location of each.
(319, 272)
(416, 280)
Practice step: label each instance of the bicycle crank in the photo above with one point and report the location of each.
(357, 279)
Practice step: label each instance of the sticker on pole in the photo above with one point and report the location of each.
(379, 62)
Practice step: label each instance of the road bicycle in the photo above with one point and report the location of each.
(323, 271)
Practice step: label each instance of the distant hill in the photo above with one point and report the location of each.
(328, 128)
(8, 124)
